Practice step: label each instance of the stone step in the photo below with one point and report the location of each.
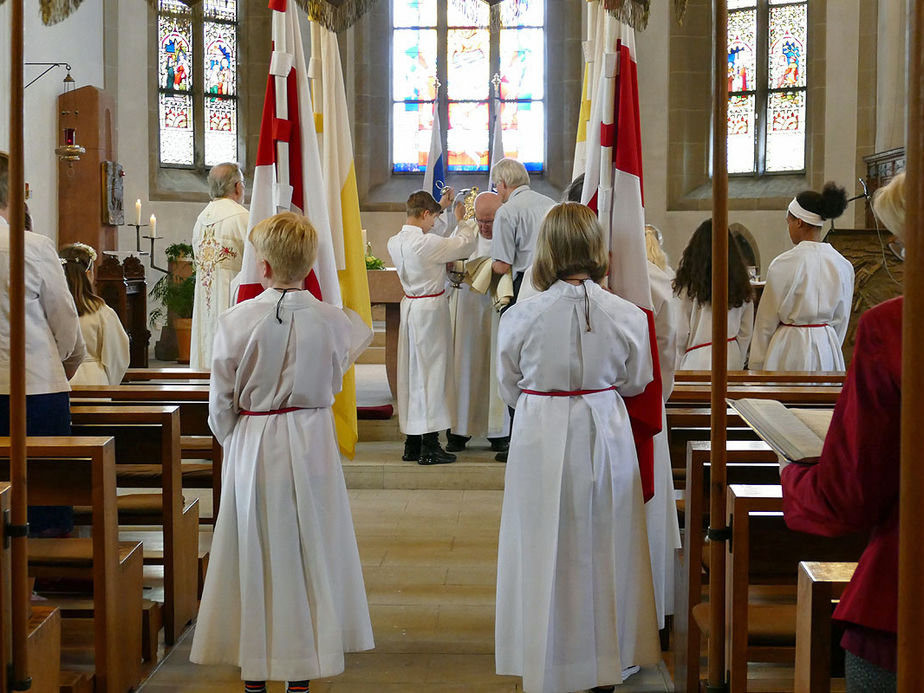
(378, 465)
(372, 355)
(373, 430)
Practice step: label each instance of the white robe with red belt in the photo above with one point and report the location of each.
(694, 332)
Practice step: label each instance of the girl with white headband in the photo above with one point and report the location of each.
(805, 307)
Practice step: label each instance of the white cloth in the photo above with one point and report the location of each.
(426, 391)
(284, 597)
(694, 334)
(474, 324)
(53, 340)
(661, 510)
(811, 284)
(516, 227)
(218, 248)
(107, 349)
(527, 287)
(575, 605)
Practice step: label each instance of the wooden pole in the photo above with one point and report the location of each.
(719, 348)
(911, 530)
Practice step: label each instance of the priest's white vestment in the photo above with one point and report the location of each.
(804, 311)
(426, 388)
(479, 409)
(284, 597)
(661, 510)
(107, 349)
(575, 605)
(218, 249)
(694, 332)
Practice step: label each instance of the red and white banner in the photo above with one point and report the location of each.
(288, 174)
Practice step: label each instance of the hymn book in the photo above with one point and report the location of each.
(796, 434)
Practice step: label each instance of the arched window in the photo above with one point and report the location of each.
(767, 46)
(451, 50)
(197, 58)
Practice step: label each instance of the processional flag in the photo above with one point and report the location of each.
(613, 187)
(435, 175)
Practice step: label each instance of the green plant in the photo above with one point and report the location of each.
(175, 295)
(373, 263)
(179, 251)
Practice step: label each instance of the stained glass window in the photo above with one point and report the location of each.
(197, 82)
(451, 44)
(767, 42)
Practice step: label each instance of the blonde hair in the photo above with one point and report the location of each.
(77, 259)
(288, 243)
(889, 205)
(570, 242)
(653, 249)
(510, 172)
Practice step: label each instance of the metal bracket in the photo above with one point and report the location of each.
(722, 688)
(724, 534)
(11, 531)
(14, 685)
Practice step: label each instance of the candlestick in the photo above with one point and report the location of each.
(138, 211)
(153, 226)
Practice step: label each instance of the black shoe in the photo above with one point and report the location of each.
(501, 456)
(411, 449)
(603, 689)
(432, 453)
(456, 443)
(500, 444)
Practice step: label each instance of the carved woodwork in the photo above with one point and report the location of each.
(122, 285)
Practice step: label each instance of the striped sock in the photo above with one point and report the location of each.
(254, 686)
(297, 687)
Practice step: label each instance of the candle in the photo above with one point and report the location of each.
(365, 240)
(153, 226)
(138, 211)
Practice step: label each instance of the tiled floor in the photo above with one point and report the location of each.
(429, 561)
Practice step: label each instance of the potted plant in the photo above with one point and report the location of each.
(175, 292)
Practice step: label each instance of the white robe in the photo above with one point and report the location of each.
(694, 330)
(107, 354)
(811, 284)
(661, 510)
(426, 390)
(575, 605)
(479, 409)
(284, 597)
(218, 248)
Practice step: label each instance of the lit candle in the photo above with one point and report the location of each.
(365, 240)
(153, 226)
(138, 211)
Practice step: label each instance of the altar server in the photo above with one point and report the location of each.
(805, 307)
(107, 344)
(575, 606)
(426, 392)
(479, 409)
(693, 287)
(284, 597)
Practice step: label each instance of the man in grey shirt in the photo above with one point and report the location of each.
(516, 224)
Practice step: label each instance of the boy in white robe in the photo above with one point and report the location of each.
(426, 388)
(284, 598)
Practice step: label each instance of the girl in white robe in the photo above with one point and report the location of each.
(284, 597)
(693, 288)
(107, 355)
(805, 307)
(575, 606)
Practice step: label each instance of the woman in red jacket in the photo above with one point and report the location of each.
(854, 487)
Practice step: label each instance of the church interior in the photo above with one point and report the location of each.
(125, 106)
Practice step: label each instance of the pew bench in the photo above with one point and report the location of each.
(700, 394)
(163, 375)
(81, 471)
(759, 377)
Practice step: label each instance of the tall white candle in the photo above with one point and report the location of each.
(153, 226)
(365, 241)
(138, 211)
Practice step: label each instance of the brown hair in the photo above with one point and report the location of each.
(77, 260)
(421, 201)
(289, 243)
(570, 242)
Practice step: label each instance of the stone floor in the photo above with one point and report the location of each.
(429, 561)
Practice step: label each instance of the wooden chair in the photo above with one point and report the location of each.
(147, 442)
(81, 471)
(820, 585)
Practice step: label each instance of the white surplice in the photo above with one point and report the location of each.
(426, 390)
(575, 605)
(694, 334)
(218, 249)
(474, 327)
(661, 510)
(809, 285)
(107, 349)
(284, 597)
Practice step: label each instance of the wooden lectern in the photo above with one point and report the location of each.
(122, 285)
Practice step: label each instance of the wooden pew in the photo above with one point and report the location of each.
(686, 424)
(147, 442)
(197, 441)
(757, 377)
(764, 551)
(698, 394)
(81, 471)
(820, 584)
(162, 375)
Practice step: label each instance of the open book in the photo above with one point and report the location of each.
(796, 434)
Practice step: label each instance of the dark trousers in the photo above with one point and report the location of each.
(46, 415)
